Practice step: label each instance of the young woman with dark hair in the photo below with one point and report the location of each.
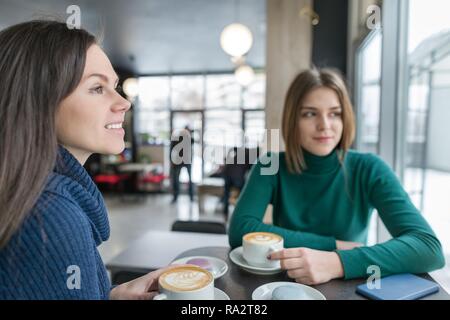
(58, 105)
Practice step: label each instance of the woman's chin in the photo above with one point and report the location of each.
(114, 149)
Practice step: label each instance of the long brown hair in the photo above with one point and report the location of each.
(304, 83)
(41, 63)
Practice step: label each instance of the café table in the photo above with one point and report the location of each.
(240, 284)
(156, 249)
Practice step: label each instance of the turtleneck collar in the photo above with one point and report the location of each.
(68, 165)
(321, 164)
(84, 192)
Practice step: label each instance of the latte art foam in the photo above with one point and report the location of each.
(185, 279)
(262, 237)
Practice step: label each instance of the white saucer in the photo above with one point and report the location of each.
(264, 292)
(237, 258)
(219, 267)
(220, 295)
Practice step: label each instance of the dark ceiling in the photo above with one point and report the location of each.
(157, 36)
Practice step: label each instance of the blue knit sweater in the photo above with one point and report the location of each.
(54, 253)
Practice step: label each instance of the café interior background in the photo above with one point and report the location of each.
(178, 73)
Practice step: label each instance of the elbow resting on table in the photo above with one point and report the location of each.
(436, 259)
(439, 256)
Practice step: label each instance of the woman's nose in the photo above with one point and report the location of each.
(121, 105)
(323, 123)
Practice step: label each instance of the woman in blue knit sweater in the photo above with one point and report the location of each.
(58, 105)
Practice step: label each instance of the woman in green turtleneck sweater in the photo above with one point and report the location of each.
(323, 195)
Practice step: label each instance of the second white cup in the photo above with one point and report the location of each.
(256, 246)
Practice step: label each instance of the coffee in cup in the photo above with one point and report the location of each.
(257, 246)
(186, 283)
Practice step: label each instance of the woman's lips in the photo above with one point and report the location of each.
(323, 139)
(115, 128)
(118, 131)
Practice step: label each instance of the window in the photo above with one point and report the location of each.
(426, 164)
(254, 124)
(187, 92)
(229, 114)
(222, 91)
(254, 96)
(368, 104)
(368, 92)
(154, 92)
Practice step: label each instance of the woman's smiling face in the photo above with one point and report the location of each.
(320, 122)
(90, 119)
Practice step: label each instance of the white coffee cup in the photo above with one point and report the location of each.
(186, 283)
(256, 246)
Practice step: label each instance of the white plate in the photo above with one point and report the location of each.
(237, 258)
(264, 292)
(219, 267)
(220, 295)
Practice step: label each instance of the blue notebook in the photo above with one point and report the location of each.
(400, 287)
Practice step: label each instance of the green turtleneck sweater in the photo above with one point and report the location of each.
(328, 202)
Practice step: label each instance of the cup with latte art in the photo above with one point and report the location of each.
(256, 246)
(186, 283)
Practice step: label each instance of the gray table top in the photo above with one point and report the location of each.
(240, 284)
(156, 249)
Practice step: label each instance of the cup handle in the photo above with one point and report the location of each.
(161, 296)
(273, 249)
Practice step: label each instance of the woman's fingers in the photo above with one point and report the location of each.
(292, 263)
(152, 277)
(297, 273)
(287, 253)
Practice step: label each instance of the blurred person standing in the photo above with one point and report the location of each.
(181, 150)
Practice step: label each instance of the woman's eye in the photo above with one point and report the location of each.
(336, 114)
(308, 114)
(98, 90)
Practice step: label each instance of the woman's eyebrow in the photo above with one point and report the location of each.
(315, 109)
(103, 77)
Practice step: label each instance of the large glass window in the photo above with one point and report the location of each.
(225, 114)
(154, 92)
(254, 96)
(254, 124)
(368, 92)
(187, 92)
(411, 131)
(426, 164)
(367, 103)
(222, 91)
